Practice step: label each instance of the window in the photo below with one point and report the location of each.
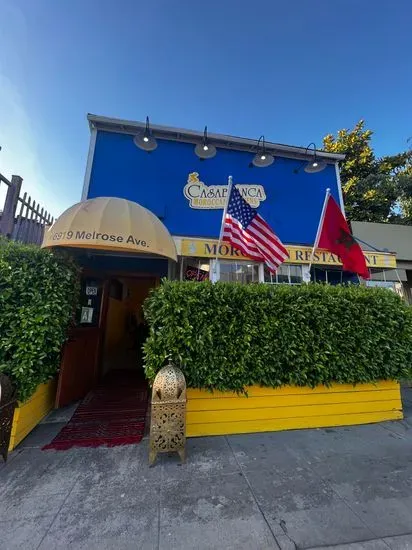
(380, 274)
(239, 272)
(332, 276)
(194, 269)
(232, 271)
(288, 274)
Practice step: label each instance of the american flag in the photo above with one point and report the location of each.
(247, 231)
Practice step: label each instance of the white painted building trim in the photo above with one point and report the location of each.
(342, 204)
(89, 164)
(223, 141)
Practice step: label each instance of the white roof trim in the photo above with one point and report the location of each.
(191, 136)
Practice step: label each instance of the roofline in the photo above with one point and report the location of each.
(191, 136)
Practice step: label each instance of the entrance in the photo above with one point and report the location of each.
(123, 249)
(106, 342)
(125, 330)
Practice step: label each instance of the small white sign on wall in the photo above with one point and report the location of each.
(91, 290)
(86, 315)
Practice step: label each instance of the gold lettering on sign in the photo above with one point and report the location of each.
(297, 254)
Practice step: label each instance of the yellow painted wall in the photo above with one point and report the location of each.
(115, 325)
(28, 414)
(289, 407)
(138, 290)
(118, 311)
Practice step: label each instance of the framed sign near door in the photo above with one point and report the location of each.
(79, 368)
(90, 302)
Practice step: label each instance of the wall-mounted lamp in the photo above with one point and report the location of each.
(205, 150)
(146, 140)
(314, 165)
(262, 157)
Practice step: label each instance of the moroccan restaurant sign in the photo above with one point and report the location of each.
(202, 196)
(297, 254)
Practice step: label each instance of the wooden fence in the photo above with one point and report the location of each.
(21, 219)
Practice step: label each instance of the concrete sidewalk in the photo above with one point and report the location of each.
(297, 489)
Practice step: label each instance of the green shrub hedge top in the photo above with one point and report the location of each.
(228, 336)
(38, 291)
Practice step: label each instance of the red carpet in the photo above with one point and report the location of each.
(112, 414)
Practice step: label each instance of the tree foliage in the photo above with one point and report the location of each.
(38, 293)
(227, 336)
(375, 189)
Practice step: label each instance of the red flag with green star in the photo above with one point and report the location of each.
(336, 237)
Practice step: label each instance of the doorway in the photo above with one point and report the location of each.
(125, 328)
(106, 341)
(102, 365)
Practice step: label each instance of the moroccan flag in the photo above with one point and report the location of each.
(336, 237)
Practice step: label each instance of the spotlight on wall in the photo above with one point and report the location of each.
(146, 140)
(262, 157)
(205, 150)
(314, 165)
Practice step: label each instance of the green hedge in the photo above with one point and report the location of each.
(227, 336)
(38, 292)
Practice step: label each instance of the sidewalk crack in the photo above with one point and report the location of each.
(59, 510)
(257, 502)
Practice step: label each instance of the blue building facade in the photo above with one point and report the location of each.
(188, 193)
(290, 199)
(124, 251)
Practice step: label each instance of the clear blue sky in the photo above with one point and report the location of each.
(291, 70)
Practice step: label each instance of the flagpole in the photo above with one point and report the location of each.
(322, 216)
(222, 225)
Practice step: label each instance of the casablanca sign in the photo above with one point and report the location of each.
(202, 196)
